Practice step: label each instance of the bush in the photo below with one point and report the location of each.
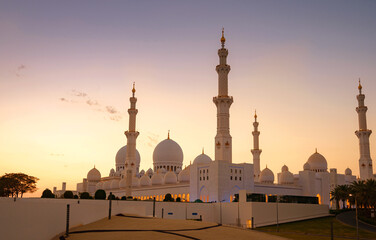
(178, 199)
(91, 197)
(84, 195)
(68, 194)
(123, 198)
(100, 194)
(75, 196)
(198, 201)
(129, 198)
(111, 196)
(47, 194)
(168, 198)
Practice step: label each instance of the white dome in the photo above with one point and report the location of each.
(284, 168)
(170, 178)
(107, 185)
(99, 185)
(149, 172)
(306, 166)
(168, 152)
(145, 181)
(123, 183)
(162, 170)
(121, 156)
(317, 162)
(157, 179)
(267, 176)
(115, 184)
(348, 171)
(202, 158)
(93, 175)
(184, 176)
(286, 177)
(142, 172)
(135, 182)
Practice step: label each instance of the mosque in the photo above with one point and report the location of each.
(220, 179)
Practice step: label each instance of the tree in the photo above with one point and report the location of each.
(84, 195)
(47, 194)
(178, 199)
(13, 184)
(100, 194)
(168, 198)
(198, 201)
(123, 198)
(68, 194)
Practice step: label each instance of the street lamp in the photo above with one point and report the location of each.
(356, 217)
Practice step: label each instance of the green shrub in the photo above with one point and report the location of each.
(68, 194)
(100, 194)
(178, 199)
(84, 195)
(111, 196)
(123, 198)
(198, 201)
(47, 194)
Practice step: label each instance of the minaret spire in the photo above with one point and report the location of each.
(223, 140)
(132, 134)
(365, 161)
(256, 151)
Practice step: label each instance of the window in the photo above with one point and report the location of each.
(231, 178)
(231, 170)
(204, 171)
(207, 171)
(240, 171)
(200, 178)
(236, 178)
(240, 178)
(236, 171)
(207, 177)
(200, 171)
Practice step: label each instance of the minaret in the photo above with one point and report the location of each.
(132, 134)
(223, 140)
(365, 161)
(256, 151)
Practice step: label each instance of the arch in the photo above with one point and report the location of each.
(203, 193)
(319, 198)
(187, 197)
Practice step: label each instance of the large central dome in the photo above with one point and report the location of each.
(317, 162)
(168, 155)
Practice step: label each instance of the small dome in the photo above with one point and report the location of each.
(317, 162)
(107, 185)
(286, 177)
(145, 181)
(142, 172)
(112, 172)
(167, 152)
(184, 176)
(150, 172)
(162, 170)
(121, 156)
(284, 168)
(115, 184)
(170, 178)
(135, 181)
(267, 176)
(202, 158)
(123, 183)
(99, 185)
(157, 179)
(306, 166)
(93, 175)
(348, 171)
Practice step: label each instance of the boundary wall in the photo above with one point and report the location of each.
(42, 219)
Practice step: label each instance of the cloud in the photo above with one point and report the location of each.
(152, 139)
(115, 118)
(64, 99)
(19, 70)
(111, 110)
(92, 102)
(78, 93)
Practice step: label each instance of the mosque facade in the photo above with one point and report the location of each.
(220, 179)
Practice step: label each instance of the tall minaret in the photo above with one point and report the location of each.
(223, 140)
(256, 151)
(365, 161)
(132, 134)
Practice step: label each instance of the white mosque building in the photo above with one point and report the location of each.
(219, 179)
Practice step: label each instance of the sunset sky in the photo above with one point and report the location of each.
(67, 67)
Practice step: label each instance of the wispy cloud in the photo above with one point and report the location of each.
(20, 69)
(83, 97)
(152, 139)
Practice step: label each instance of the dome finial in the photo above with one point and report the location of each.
(134, 89)
(316, 150)
(255, 115)
(168, 134)
(203, 151)
(223, 39)
(360, 87)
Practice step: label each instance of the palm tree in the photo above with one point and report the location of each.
(335, 195)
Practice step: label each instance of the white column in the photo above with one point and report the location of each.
(365, 161)
(223, 140)
(132, 134)
(256, 151)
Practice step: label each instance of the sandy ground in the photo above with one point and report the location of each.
(154, 228)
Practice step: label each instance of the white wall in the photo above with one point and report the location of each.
(42, 219)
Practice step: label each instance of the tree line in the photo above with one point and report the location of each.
(16, 184)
